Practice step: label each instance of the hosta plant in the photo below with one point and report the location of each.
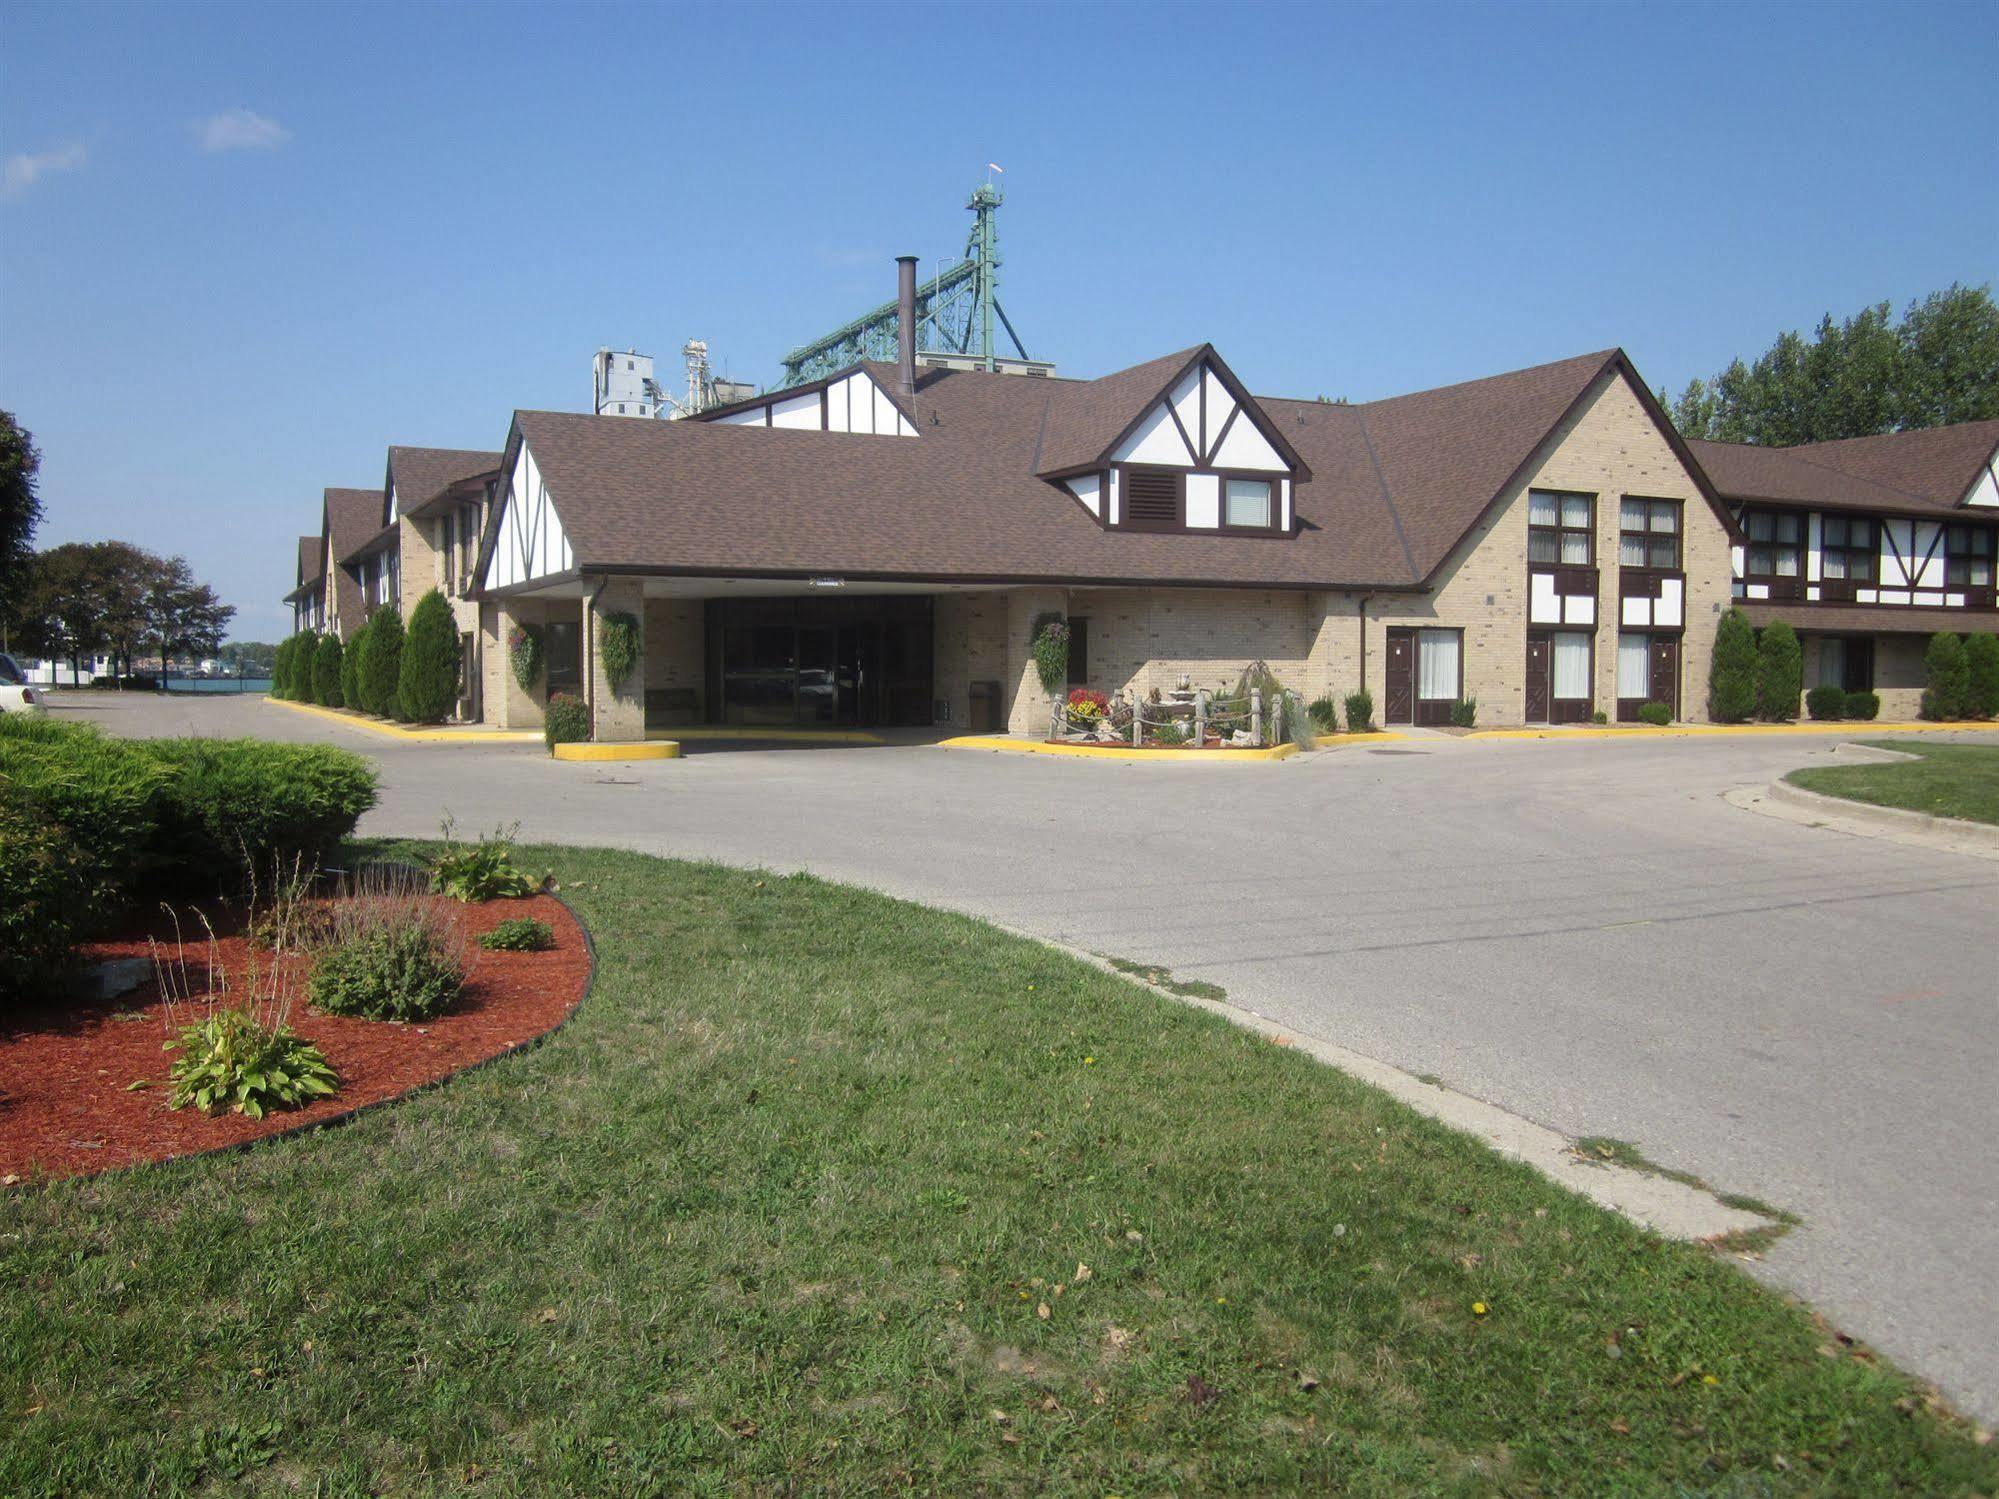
(481, 871)
(229, 1060)
(522, 934)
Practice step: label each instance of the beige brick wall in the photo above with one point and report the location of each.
(505, 704)
(616, 715)
(675, 652)
(969, 646)
(1610, 448)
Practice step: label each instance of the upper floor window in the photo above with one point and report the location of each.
(1560, 528)
(1968, 557)
(1848, 548)
(1248, 502)
(1776, 544)
(1649, 533)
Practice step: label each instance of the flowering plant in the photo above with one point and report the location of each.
(524, 653)
(1050, 649)
(1087, 706)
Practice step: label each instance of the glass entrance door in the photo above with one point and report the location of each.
(820, 663)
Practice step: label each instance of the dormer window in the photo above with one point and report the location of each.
(1248, 504)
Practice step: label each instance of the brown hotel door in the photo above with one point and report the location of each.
(1537, 676)
(1399, 705)
(1666, 671)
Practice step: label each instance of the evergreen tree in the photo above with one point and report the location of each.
(1732, 671)
(350, 666)
(1981, 659)
(382, 665)
(428, 685)
(1949, 678)
(1780, 672)
(326, 672)
(281, 667)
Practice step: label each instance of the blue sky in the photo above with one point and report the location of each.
(242, 250)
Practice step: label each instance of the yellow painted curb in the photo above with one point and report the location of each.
(409, 735)
(1111, 752)
(798, 736)
(1849, 727)
(655, 749)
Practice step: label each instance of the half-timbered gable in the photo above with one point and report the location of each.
(526, 540)
(853, 401)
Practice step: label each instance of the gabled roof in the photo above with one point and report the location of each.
(311, 573)
(388, 536)
(1387, 489)
(1088, 419)
(349, 518)
(1919, 471)
(423, 475)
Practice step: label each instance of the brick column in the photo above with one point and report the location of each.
(1028, 708)
(616, 717)
(505, 703)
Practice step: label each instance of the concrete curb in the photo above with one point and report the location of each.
(1790, 803)
(1669, 1208)
(1000, 744)
(410, 736)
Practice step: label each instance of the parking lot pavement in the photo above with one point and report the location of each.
(1583, 932)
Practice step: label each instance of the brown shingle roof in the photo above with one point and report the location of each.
(420, 475)
(1919, 471)
(1394, 485)
(1860, 619)
(351, 516)
(310, 574)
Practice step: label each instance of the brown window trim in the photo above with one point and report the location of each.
(1677, 535)
(1558, 531)
(1274, 478)
(1952, 557)
(1773, 545)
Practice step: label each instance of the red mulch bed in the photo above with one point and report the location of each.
(65, 1108)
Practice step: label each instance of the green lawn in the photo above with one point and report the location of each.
(799, 1203)
(1951, 780)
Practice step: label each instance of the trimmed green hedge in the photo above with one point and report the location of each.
(326, 665)
(566, 720)
(52, 892)
(381, 668)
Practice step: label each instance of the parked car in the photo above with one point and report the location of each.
(16, 696)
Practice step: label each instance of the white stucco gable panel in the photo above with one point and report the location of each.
(1156, 439)
(1089, 489)
(1985, 488)
(1242, 446)
(529, 542)
(854, 403)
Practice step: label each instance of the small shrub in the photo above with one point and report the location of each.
(1656, 714)
(481, 871)
(618, 643)
(1325, 714)
(51, 893)
(395, 953)
(524, 655)
(1464, 715)
(1862, 705)
(1050, 648)
(1169, 735)
(1599, 717)
(1258, 677)
(1826, 702)
(1780, 672)
(522, 934)
(1981, 661)
(382, 662)
(427, 678)
(1360, 712)
(233, 807)
(566, 720)
(230, 1060)
(1949, 678)
(397, 973)
(326, 659)
(1732, 670)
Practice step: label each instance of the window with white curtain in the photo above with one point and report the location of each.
(1571, 665)
(1247, 503)
(1634, 665)
(1559, 528)
(1832, 662)
(1437, 665)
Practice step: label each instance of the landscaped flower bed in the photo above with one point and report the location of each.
(68, 1106)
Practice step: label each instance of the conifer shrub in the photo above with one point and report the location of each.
(566, 720)
(350, 669)
(1656, 714)
(1780, 672)
(1732, 670)
(382, 663)
(326, 659)
(1981, 659)
(1826, 702)
(1862, 705)
(1949, 675)
(1360, 712)
(427, 684)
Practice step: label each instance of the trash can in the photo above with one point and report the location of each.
(985, 713)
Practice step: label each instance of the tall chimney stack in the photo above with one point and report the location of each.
(905, 323)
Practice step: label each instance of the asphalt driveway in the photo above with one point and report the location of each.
(1582, 932)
